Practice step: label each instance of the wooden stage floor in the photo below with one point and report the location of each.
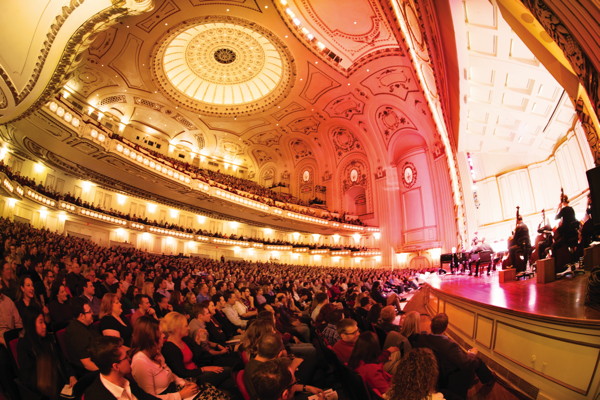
(561, 299)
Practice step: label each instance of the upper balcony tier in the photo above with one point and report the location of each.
(70, 140)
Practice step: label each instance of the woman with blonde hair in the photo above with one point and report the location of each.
(148, 366)
(411, 325)
(111, 321)
(179, 356)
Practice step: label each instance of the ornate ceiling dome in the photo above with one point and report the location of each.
(223, 66)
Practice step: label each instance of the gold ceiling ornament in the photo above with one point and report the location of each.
(223, 66)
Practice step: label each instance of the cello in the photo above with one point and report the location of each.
(543, 241)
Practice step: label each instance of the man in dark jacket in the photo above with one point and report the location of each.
(457, 367)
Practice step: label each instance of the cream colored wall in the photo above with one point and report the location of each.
(534, 188)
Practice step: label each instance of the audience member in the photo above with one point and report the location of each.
(111, 321)
(457, 368)
(41, 366)
(148, 366)
(349, 332)
(109, 354)
(80, 338)
(416, 377)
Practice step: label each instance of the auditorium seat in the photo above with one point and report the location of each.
(239, 380)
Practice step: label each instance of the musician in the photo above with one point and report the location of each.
(567, 234)
(587, 229)
(521, 245)
(480, 246)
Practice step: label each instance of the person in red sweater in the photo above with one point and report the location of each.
(349, 332)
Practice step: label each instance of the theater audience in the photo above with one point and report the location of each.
(270, 347)
(111, 321)
(59, 309)
(27, 303)
(144, 307)
(41, 365)
(148, 366)
(285, 289)
(272, 380)
(80, 338)
(368, 361)
(457, 368)
(109, 353)
(88, 294)
(177, 351)
(416, 377)
(349, 332)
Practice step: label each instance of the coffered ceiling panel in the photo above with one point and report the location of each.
(512, 100)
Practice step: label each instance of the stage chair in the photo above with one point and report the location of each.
(484, 258)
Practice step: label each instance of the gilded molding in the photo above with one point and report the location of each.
(75, 45)
(584, 68)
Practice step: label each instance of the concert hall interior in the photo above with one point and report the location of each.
(360, 138)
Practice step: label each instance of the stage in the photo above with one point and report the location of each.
(541, 338)
(562, 299)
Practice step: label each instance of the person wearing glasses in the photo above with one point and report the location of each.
(80, 337)
(348, 330)
(109, 354)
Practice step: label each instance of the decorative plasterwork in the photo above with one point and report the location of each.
(223, 66)
(345, 106)
(285, 111)
(317, 84)
(300, 149)
(305, 125)
(391, 120)
(268, 138)
(581, 63)
(166, 9)
(355, 174)
(398, 80)
(75, 45)
(340, 39)
(261, 157)
(231, 149)
(344, 141)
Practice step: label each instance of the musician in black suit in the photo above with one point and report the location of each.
(457, 368)
(109, 354)
(567, 235)
(521, 246)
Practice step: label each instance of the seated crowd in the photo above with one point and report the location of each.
(121, 323)
(69, 198)
(245, 187)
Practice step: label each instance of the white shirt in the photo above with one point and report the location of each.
(240, 308)
(233, 316)
(117, 391)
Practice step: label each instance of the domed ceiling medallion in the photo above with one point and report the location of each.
(223, 66)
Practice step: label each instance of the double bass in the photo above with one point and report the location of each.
(543, 241)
